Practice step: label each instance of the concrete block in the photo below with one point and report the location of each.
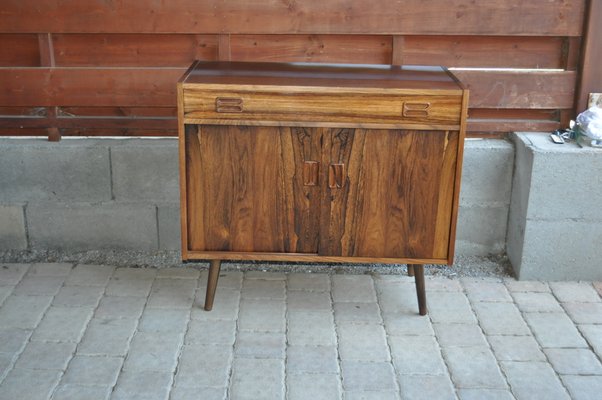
(164, 320)
(145, 170)
(500, 319)
(554, 330)
(310, 386)
(263, 289)
(474, 367)
(554, 221)
(260, 345)
(574, 361)
(12, 228)
(417, 355)
(574, 292)
(257, 379)
(308, 301)
(70, 392)
(583, 387)
(44, 355)
(487, 172)
(262, 315)
(31, 384)
(154, 351)
(365, 342)
(86, 370)
(107, 337)
(92, 226)
(534, 381)
(168, 217)
(310, 328)
(212, 371)
(481, 230)
(211, 332)
(23, 312)
(353, 288)
(143, 385)
(417, 387)
(312, 359)
(516, 348)
(461, 335)
(36, 170)
(310, 282)
(368, 376)
(63, 324)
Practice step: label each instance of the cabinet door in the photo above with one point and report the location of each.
(252, 189)
(394, 199)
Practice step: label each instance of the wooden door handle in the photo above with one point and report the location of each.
(311, 172)
(228, 105)
(336, 176)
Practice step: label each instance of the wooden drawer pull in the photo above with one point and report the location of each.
(412, 110)
(311, 170)
(336, 176)
(228, 105)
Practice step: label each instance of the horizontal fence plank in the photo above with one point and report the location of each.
(484, 51)
(83, 50)
(353, 49)
(519, 89)
(89, 86)
(19, 50)
(486, 17)
(129, 87)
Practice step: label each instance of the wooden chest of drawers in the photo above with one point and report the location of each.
(317, 162)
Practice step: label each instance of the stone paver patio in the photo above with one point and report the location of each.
(98, 332)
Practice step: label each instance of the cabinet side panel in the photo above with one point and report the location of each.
(246, 190)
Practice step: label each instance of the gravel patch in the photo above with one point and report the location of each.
(464, 266)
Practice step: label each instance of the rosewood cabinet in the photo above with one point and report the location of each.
(315, 162)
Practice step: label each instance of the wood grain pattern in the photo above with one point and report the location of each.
(245, 189)
(19, 50)
(511, 17)
(396, 202)
(591, 56)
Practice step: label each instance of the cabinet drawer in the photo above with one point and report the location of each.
(375, 108)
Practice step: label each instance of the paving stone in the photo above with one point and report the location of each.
(63, 324)
(441, 284)
(263, 289)
(225, 305)
(198, 393)
(135, 273)
(142, 385)
(500, 319)
(484, 394)
(212, 371)
(129, 287)
(474, 367)
(312, 359)
(107, 337)
(310, 328)
(262, 315)
(251, 344)
(154, 351)
(12, 340)
(419, 387)
(574, 292)
(450, 307)
(50, 269)
(483, 289)
(363, 342)
(227, 279)
(211, 332)
(366, 376)
(6, 362)
(574, 361)
(90, 275)
(372, 395)
(593, 334)
(23, 312)
(315, 387)
(5, 291)
(516, 348)
(537, 302)
(88, 370)
(178, 273)
(172, 293)
(526, 286)
(309, 282)
(353, 288)
(79, 392)
(42, 355)
(39, 285)
(417, 355)
(583, 387)
(30, 384)
(357, 313)
(584, 313)
(403, 324)
(554, 330)
(11, 274)
(78, 296)
(266, 275)
(399, 298)
(256, 379)
(164, 320)
(463, 335)
(533, 381)
(120, 307)
(308, 301)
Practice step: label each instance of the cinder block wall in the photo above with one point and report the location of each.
(122, 194)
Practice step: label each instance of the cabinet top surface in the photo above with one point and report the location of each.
(320, 75)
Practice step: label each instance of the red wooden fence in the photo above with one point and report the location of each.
(92, 67)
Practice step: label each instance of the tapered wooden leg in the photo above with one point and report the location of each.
(214, 268)
(420, 289)
(410, 270)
